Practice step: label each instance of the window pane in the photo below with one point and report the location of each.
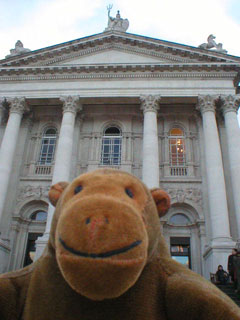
(39, 216)
(112, 131)
(50, 132)
(179, 219)
(111, 147)
(47, 147)
(176, 148)
(176, 132)
(182, 259)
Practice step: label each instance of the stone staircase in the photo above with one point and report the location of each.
(229, 291)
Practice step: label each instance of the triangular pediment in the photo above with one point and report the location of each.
(114, 56)
(117, 48)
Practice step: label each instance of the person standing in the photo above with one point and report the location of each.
(230, 264)
(236, 266)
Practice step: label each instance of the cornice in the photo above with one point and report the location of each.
(100, 71)
(135, 41)
(136, 75)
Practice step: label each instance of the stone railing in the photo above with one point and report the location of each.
(43, 170)
(178, 171)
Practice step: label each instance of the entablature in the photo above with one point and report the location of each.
(101, 71)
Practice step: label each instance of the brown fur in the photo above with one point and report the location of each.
(112, 211)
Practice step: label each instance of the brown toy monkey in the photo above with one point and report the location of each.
(106, 259)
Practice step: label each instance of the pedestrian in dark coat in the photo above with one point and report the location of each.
(236, 265)
(230, 264)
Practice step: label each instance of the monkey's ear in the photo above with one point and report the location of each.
(162, 201)
(55, 192)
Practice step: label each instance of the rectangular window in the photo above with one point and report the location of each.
(47, 151)
(177, 152)
(111, 151)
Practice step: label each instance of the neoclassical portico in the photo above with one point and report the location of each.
(137, 97)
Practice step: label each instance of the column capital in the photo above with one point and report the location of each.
(206, 103)
(71, 104)
(150, 103)
(230, 103)
(18, 105)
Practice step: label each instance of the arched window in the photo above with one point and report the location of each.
(39, 216)
(177, 152)
(111, 146)
(179, 219)
(48, 147)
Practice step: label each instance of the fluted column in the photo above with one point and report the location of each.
(214, 168)
(62, 167)
(150, 169)
(230, 106)
(8, 146)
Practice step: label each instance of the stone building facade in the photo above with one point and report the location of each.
(163, 111)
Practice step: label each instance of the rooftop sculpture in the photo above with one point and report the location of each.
(211, 43)
(19, 49)
(117, 23)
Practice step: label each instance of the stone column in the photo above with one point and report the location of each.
(214, 168)
(9, 142)
(2, 107)
(219, 248)
(61, 171)
(150, 170)
(230, 106)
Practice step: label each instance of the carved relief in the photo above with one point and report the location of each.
(206, 103)
(37, 192)
(230, 103)
(71, 104)
(18, 105)
(150, 102)
(180, 195)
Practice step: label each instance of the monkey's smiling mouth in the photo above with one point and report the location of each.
(106, 254)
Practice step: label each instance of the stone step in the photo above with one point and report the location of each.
(228, 289)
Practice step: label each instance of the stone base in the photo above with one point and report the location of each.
(215, 254)
(4, 255)
(40, 245)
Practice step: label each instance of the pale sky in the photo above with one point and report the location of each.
(42, 23)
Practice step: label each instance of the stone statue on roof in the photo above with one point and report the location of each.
(117, 23)
(19, 49)
(211, 43)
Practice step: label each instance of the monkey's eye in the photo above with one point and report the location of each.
(129, 193)
(78, 189)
